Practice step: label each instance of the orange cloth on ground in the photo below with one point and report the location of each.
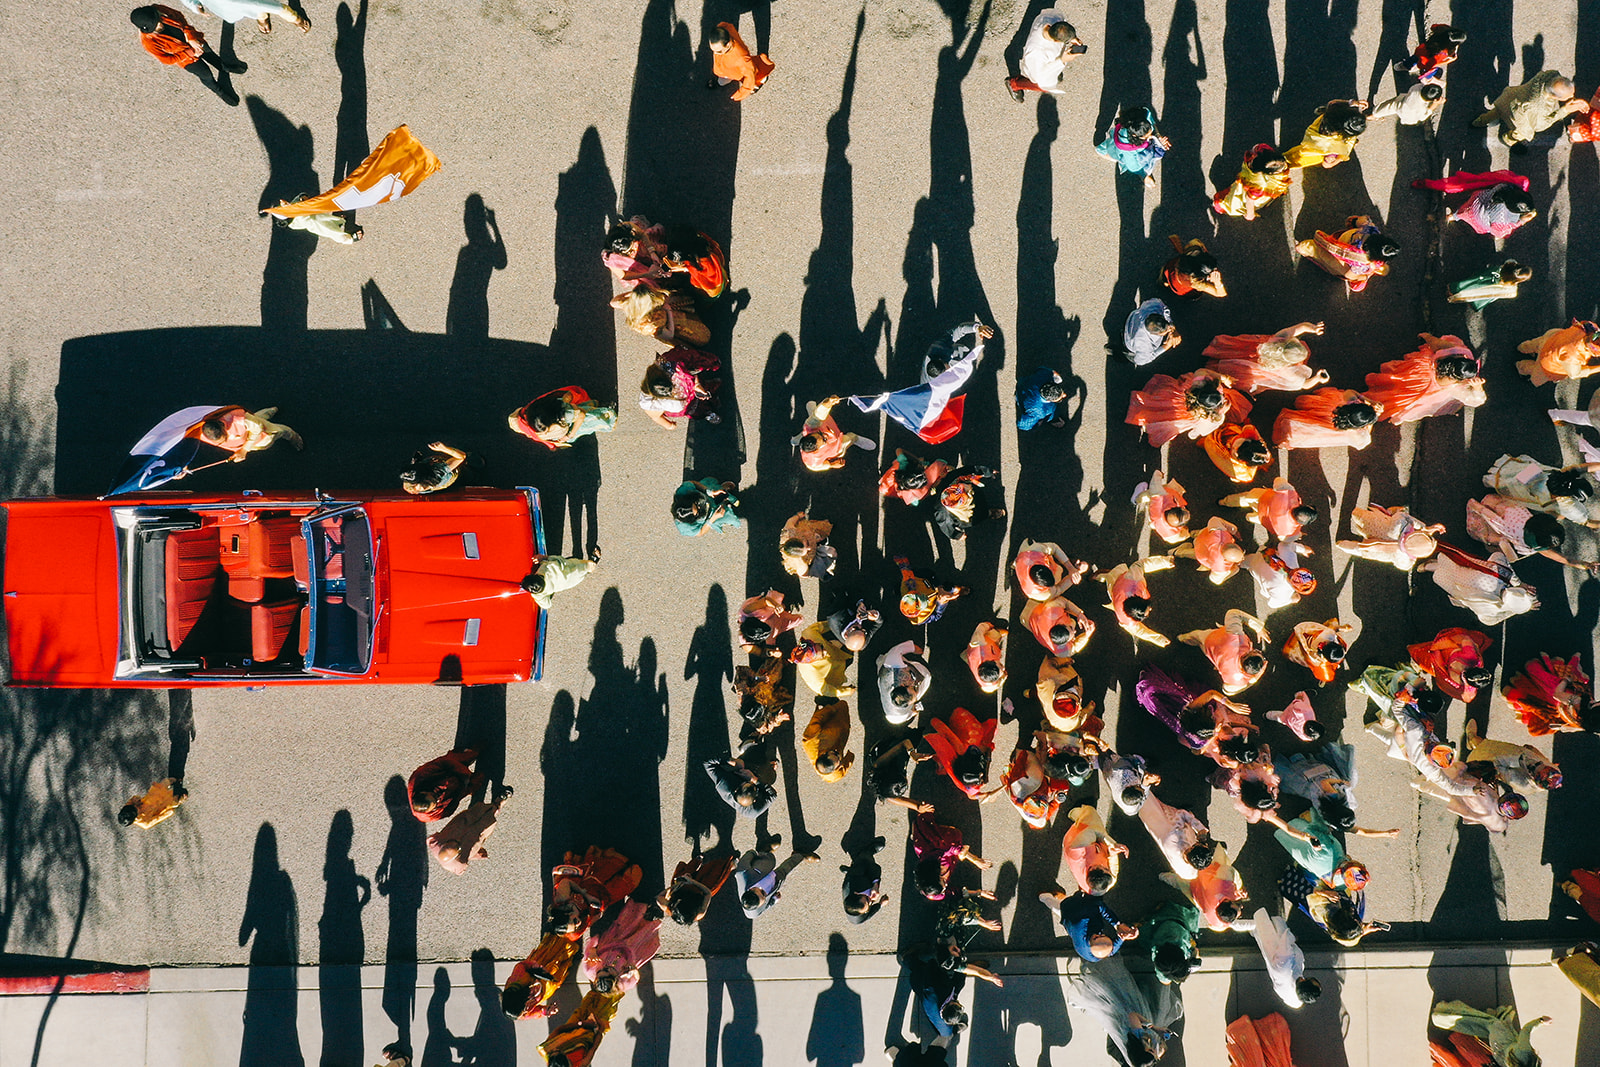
(171, 50)
(1259, 1042)
(737, 64)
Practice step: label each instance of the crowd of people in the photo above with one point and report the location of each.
(1276, 766)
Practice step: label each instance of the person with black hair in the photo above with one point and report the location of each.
(965, 501)
(863, 897)
(889, 763)
(963, 345)
(1051, 44)
(1286, 963)
(759, 877)
(1299, 717)
(1264, 176)
(679, 384)
(986, 656)
(1319, 647)
(1148, 332)
(1357, 254)
(1090, 853)
(1180, 835)
(822, 662)
(962, 746)
(1331, 138)
(745, 786)
(903, 680)
(156, 804)
(1454, 660)
(1172, 934)
(1497, 281)
(558, 418)
(922, 602)
(1277, 509)
(822, 444)
(1440, 378)
(1518, 531)
(698, 506)
(1238, 450)
(242, 432)
(556, 574)
(937, 850)
(1194, 271)
(1166, 506)
(1496, 210)
(1043, 570)
(1128, 779)
(1216, 547)
(1058, 624)
(1191, 405)
(1551, 694)
(534, 981)
(826, 741)
(612, 958)
(1433, 53)
(633, 252)
(1327, 418)
(1420, 103)
(1230, 649)
(583, 886)
(687, 897)
(1216, 890)
(765, 700)
(804, 549)
(1130, 597)
(572, 1044)
(1106, 991)
(762, 620)
(1135, 143)
(168, 36)
(439, 785)
(910, 478)
(1038, 395)
(732, 62)
(1562, 354)
(692, 252)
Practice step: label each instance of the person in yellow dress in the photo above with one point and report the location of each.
(826, 740)
(1332, 136)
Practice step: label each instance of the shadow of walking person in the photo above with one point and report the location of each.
(271, 996)
(494, 1040)
(710, 663)
(652, 1030)
(481, 727)
(402, 875)
(180, 731)
(341, 949)
(838, 1036)
(285, 283)
(351, 144)
(467, 314)
(440, 1047)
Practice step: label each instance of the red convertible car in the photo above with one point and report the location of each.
(184, 590)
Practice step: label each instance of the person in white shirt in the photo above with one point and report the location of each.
(1052, 44)
(1286, 964)
(1415, 107)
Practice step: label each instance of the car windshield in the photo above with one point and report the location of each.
(342, 593)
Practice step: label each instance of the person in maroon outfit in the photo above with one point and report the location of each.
(439, 785)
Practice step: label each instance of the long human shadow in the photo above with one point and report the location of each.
(1400, 18)
(271, 927)
(837, 1037)
(180, 731)
(707, 821)
(341, 947)
(584, 342)
(467, 314)
(1583, 172)
(351, 143)
(401, 877)
(440, 1047)
(623, 721)
(285, 282)
(936, 300)
(652, 1031)
(494, 1040)
(481, 728)
(681, 168)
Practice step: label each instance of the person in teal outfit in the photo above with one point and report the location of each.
(705, 505)
(1134, 143)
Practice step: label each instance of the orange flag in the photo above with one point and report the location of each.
(398, 165)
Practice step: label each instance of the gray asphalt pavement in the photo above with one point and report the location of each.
(881, 188)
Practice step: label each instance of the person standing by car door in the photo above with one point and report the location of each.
(241, 432)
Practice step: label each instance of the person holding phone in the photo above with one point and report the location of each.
(1052, 44)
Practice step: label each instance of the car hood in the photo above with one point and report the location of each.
(467, 617)
(61, 598)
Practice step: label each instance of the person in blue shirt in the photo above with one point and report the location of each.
(1037, 397)
(1095, 930)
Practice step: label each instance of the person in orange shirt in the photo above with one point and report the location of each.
(167, 35)
(731, 61)
(156, 805)
(822, 444)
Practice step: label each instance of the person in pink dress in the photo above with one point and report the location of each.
(1391, 535)
(1164, 502)
(937, 849)
(1130, 597)
(1300, 717)
(1257, 362)
(963, 746)
(1216, 548)
(1499, 204)
(1357, 254)
(1231, 651)
(986, 656)
(1058, 624)
(822, 444)
(1454, 659)
(1217, 890)
(1060, 693)
(762, 620)
(633, 252)
(1551, 694)
(1439, 378)
(1319, 647)
(612, 958)
(1043, 570)
(1279, 511)
(1028, 787)
(1327, 418)
(1089, 851)
(1194, 405)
